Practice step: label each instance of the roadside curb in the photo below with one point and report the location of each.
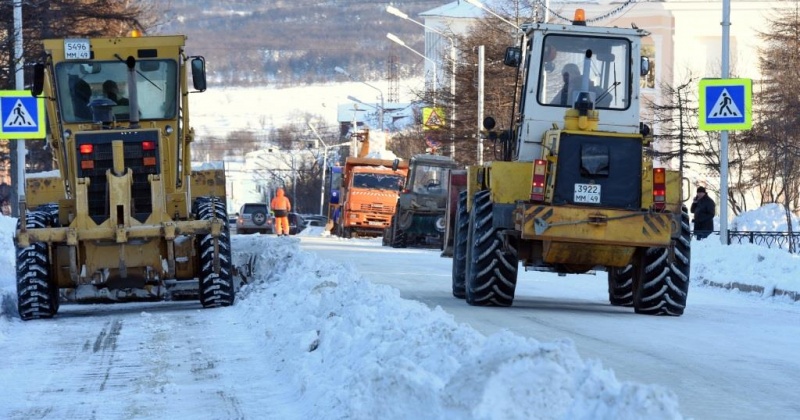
(795, 296)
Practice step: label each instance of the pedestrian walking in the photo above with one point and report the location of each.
(280, 208)
(703, 209)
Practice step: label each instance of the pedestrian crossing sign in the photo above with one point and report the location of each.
(21, 115)
(725, 104)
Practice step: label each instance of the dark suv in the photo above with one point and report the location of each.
(296, 223)
(254, 218)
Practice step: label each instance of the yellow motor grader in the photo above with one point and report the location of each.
(577, 191)
(124, 217)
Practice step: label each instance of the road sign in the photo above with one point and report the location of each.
(725, 104)
(21, 115)
(432, 118)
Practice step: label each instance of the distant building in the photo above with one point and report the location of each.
(686, 35)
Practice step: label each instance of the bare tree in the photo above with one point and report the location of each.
(778, 120)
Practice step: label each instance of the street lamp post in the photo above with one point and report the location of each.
(400, 42)
(325, 149)
(481, 59)
(344, 72)
(395, 11)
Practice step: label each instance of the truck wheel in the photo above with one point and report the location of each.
(37, 293)
(387, 238)
(620, 286)
(399, 239)
(663, 276)
(215, 289)
(491, 279)
(461, 231)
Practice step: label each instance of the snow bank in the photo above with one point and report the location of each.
(767, 218)
(359, 350)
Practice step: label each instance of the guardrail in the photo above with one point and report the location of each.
(780, 240)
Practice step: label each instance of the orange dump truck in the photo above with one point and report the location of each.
(370, 188)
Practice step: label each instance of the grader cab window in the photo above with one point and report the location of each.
(562, 66)
(80, 83)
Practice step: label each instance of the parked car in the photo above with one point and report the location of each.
(296, 223)
(255, 218)
(315, 220)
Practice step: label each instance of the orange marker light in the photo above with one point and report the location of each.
(580, 17)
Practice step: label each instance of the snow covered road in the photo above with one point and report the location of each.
(137, 360)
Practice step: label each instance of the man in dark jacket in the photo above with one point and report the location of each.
(703, 208)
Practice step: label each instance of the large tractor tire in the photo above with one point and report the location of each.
(216, 289)
(398, 235)
(461, 231)
(491, 278)
(620, 286)
(386, 240)
(37, 293)
(661, 280)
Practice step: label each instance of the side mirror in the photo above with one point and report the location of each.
(644, 67)
(395, 164)
(513, 57)
(38, 79)
(199, 73)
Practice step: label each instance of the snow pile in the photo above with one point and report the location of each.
(359, 350)
(748, 264)
(767, 218)
(8, 291)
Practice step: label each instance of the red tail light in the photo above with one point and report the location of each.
(148, 145)
(539, 178)
(659, 189)
(86, 149)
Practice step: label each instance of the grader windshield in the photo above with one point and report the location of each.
(79, 83)
(562, 70)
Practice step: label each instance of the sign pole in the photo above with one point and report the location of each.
(723, 149)
(18, 178)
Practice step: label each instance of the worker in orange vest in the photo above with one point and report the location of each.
(281, 208)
